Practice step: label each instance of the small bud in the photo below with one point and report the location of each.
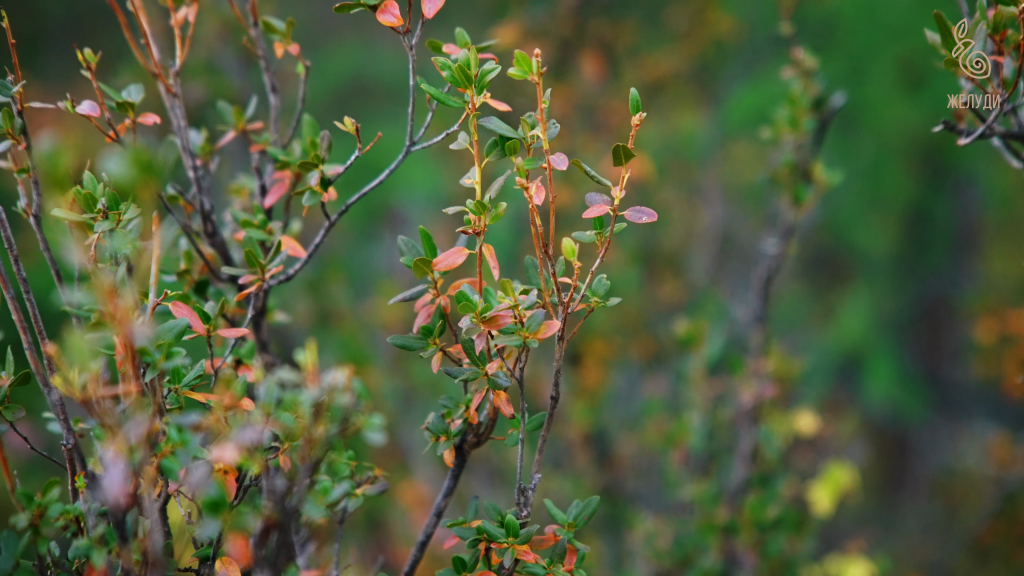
(326, 144)
(569, 249)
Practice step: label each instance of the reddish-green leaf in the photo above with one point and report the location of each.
(233, 332)
(559, 161)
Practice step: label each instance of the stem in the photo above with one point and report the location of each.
(444, 498)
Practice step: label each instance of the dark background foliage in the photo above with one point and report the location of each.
(899, 298)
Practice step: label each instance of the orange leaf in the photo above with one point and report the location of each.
(280, 184)
(227, 567)
(451, 49)
(389, 14)
(492, 261)
(503, 403)
(547, 330)
(498, 105)
(460, 283)
(233, 332)
(570, 558)
(88, 108)
(453, 541)
(292, 247)
(595, 211)
(451, 259)
(544, 542)
(430, 7)
(247, 404)
(148, 119)
(241, 295)
(435, 362)
(200, 397)
(286, 462)
(182, 310)
(279, 49)
(449, 454)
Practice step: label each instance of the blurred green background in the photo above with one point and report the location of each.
(899, 300)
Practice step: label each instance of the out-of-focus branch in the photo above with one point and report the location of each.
(69, 442)
(269, 81)
(444, 498)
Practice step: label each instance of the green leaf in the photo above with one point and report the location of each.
(493, 511)
(511, 526)
(621, 155)
(634, 102)
(945, 30)
(523, 61)
(586, 512)
(408, 342)
(518, 74)
(498, 127)
(410, 294)
(463, 75)
(462, 38)
(557, 515)
(429, 247)
(462, 374)
(591, 174)
(21, 379)
(441, 97)
(68, 215)
(12, 412)
(9, 363)
(495, 186)
(434, 45)
(422, 267)
(491, 531)
(348, 7)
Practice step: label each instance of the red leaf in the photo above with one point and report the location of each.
(423, 317)
(241, 295)
(430, 7)
(182, 310)
(595, 211)
(451, 259)
(389, 14)
(596, 198)
(280, 184)
(547, 330)
(559, 161)
(570, 557)
(88, 108)
(435, 362)
(498, 105)
(479, 341)
(451, 49)
(148, 119)
(498, 320)
(538, 192)
(640, 215)
(294, 49)
(492, 261)
(292, 247)
(503, 403)
(233, 332)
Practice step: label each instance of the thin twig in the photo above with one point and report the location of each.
(32, 446)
